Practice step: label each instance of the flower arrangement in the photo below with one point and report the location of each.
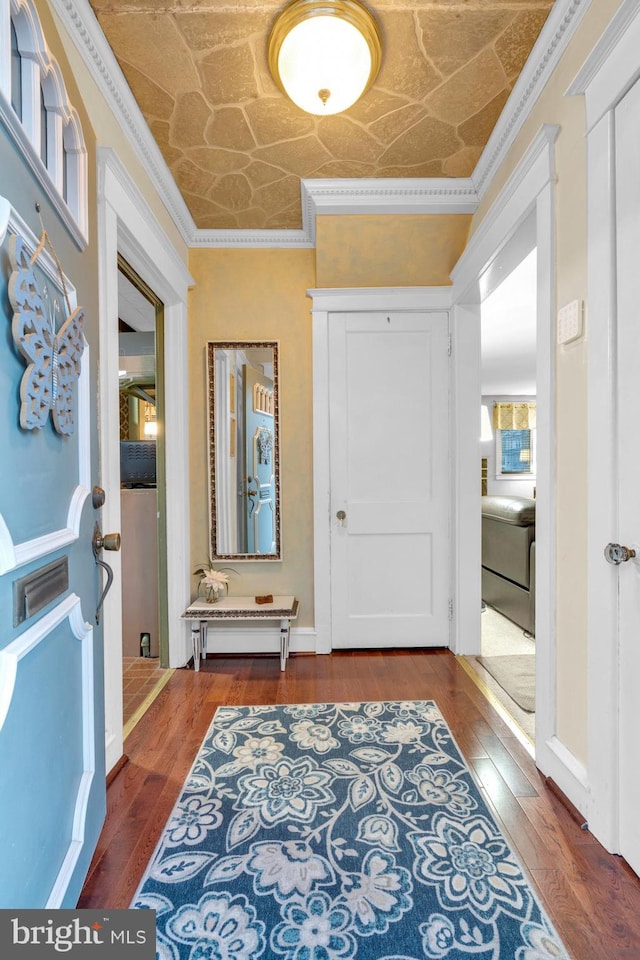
(213, 582)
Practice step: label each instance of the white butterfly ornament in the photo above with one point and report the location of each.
(53, 355)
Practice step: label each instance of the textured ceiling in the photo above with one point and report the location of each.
(237, 148)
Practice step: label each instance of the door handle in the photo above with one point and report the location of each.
(100, 542)
(616, 553)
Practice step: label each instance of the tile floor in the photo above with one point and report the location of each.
(142, 680)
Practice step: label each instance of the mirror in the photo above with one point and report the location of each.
(244, 454)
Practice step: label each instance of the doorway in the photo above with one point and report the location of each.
(126, 225)
(144, 641)
(506, 664)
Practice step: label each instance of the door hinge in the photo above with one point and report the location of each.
(450, 608)
(449, 345)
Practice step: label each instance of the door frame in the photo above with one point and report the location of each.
(326, 302)
(525, 203)
(607, 74)
(126, 225)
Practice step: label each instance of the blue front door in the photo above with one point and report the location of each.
(259, 462)
(52, 773)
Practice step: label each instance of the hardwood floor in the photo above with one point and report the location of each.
(593, 898)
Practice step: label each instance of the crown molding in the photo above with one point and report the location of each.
(386, 196)
(559, 28)
(85, 31)
(302, 239)
(338, 197)
(360, 197)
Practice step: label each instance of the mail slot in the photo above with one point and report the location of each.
(37, 589)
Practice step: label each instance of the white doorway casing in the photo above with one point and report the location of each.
(127, 226)
(527, 199)
(608, 74)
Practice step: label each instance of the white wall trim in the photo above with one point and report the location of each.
(13, 555)
(384, 196)
(535, 169)
(342, 299)
(127, 225)
(602, 467)
(253, 239)
(465, 478)
(529, 190)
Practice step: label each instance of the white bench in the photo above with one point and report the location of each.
(284, 609)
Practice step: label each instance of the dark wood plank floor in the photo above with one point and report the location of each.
(593, 898)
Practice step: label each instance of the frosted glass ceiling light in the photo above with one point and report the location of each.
(324, 54)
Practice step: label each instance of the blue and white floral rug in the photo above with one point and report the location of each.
(337, 831)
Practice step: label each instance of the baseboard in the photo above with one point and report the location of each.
(226, 637)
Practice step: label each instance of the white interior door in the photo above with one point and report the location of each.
(389, 414)
(627, 133)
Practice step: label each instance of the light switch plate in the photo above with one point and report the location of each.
(570, 322)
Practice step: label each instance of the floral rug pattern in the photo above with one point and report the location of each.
(338, 831)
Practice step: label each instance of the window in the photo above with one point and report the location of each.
(43, 128)
(16, 73)
(38, 116)
(515, 454)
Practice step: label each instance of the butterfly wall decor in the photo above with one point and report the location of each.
(53, 355)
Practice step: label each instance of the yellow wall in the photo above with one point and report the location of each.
(259, 295)
(555, 107)
(389, 251)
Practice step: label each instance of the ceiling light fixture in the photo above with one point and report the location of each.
(324, 54)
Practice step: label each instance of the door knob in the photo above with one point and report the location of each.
(615, 553)
(103, 541)
(341, 515)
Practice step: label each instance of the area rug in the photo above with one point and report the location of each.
(335, 831)
(516, 674)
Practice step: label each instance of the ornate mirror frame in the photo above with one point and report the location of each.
(235, 492)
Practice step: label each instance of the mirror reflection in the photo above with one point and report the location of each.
(244, 462)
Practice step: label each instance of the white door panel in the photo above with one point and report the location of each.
(389, 476)
(627, 125)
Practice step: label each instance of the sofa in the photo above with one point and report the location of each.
(508, 558)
